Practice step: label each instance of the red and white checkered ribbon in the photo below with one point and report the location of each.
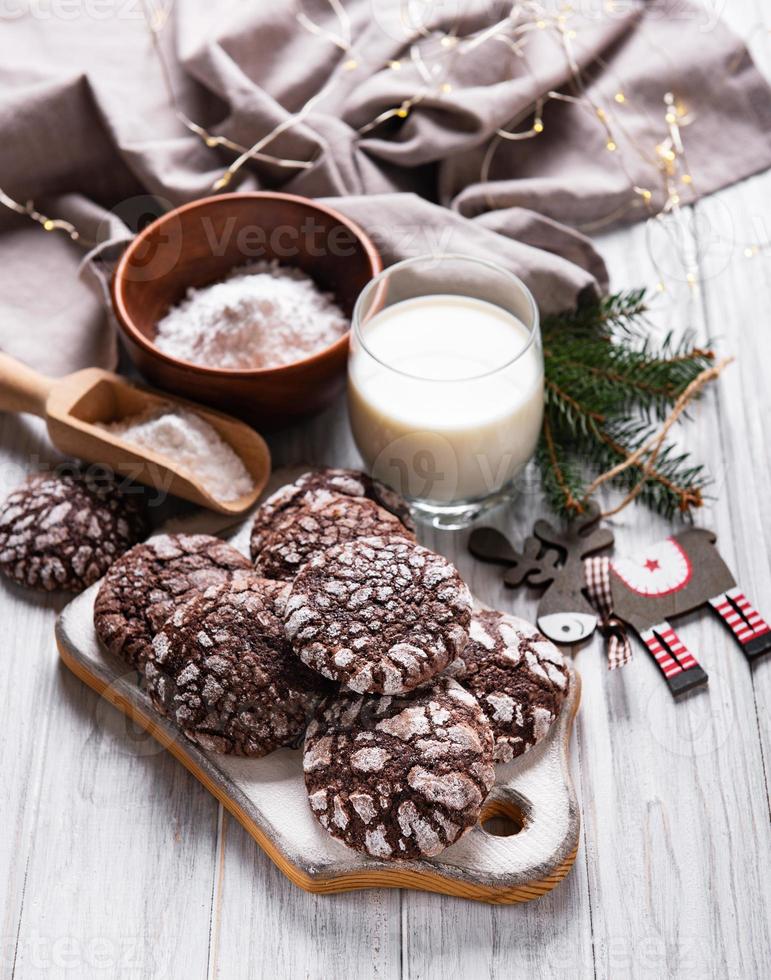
(597, 576)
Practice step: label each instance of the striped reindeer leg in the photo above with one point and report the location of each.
(678, 665)
(747, 625)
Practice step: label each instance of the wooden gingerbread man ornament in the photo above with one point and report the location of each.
(645, 591)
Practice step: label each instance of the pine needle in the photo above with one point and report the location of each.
(607, 387)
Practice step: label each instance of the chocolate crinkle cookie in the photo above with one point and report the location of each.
(519, 678)
(63, 531)
(222, 669)
(325, 519)
(379, 615)
(142, 589)
(349, 483)
(276, 593)
(399, 777)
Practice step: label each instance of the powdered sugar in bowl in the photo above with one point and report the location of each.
(243, 301)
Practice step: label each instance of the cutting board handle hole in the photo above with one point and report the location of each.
(502, 819)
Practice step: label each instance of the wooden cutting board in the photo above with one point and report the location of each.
(525, 843)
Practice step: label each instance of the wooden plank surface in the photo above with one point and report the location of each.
(101, 829)
(116, 863)
(679, 789)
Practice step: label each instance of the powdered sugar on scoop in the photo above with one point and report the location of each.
(191, 444)
(263, 315)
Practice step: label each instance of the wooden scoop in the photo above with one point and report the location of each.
(72, 405)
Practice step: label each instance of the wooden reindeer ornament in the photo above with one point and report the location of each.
(646, 590)
(554, 559)
(674, 577)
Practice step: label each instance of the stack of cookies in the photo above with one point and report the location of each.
(346, 632)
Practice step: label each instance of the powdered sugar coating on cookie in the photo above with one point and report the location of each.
(399, 777)
(325, 519)
(222, 670)
(379, 615)
(349, 483)
(276, 593)
(143, 588)
(63, 531)
(518, 676)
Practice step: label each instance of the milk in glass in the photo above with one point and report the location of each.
(446, 396)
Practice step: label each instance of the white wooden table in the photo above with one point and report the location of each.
(114, 862)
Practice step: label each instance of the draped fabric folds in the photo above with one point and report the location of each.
(89, 132)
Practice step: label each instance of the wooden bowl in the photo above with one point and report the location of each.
(200, 243)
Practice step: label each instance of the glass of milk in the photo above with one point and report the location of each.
(445, 383)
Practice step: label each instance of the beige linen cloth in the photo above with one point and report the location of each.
(88, 131)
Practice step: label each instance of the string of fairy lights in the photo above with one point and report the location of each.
(29, 210)
(156, 17)
(435, 56)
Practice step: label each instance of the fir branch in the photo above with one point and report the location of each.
(572, 412)
(619, 373)
(607, 383)
(562, 482)
(650, 451)
(600, 317)
(670, 487)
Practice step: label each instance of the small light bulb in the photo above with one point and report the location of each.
(538, 126)
(223, 181)
(751, 251)
(449, 41)
(402, 113)
(395, 65)
(211, 141)
(620, 98)
(660, 287)
(601, 114)
(671, 118)
(687, 179)
(541, 24)
(611, 146)
(350, 64)
(446, 87)
(49, 225)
